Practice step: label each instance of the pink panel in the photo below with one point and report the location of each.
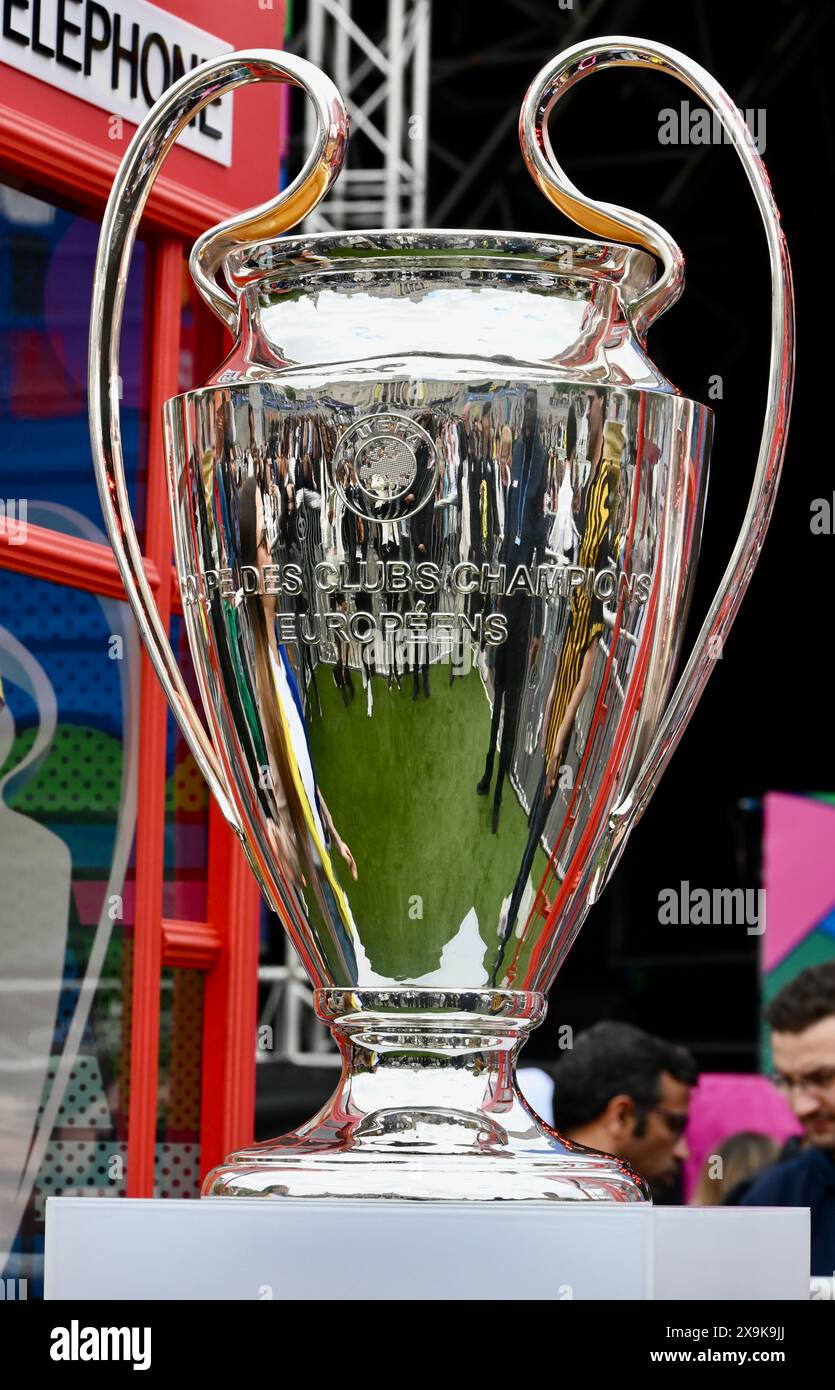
(798, 870)
(725, 1103)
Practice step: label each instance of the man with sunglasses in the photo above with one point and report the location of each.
(802, 1022)
(625, 1092)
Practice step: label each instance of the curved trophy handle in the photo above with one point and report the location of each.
(137, 172)
(300, 197)
(546, 89)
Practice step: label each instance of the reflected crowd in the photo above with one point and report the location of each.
(505, 535)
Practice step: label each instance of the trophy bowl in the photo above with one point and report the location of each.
(436, 520)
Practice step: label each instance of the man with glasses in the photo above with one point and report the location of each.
(625, 1092)
(802, 1022)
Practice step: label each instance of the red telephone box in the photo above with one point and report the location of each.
(130, 932)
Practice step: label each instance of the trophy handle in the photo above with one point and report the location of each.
(609, 220)
(133, 182)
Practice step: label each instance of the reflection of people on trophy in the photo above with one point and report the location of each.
(505, 455)
(421, 535)
(302, 826)
(508, 683)
(525, 504)
(353, 525)
(585, 625)
(562, 535)
(390, 551)
(333, 534)
(304, 476)
(527, 482)
(342, 666)
(584, 450)
(368, 664)
(481, 497)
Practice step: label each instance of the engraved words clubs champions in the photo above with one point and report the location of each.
(423, 578)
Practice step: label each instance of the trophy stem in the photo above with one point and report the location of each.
(427, 1107)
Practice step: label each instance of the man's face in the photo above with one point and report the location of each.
(594, 405)
(804, 1064)
(660, 1150)
(263, 549)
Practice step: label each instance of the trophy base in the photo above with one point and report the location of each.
(547, 1170)
(427, 1110)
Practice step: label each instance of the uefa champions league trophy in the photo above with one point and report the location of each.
(436, 521)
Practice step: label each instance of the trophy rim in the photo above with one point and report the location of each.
(628, 266)
(242, 380)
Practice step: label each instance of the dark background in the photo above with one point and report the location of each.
(764, 721)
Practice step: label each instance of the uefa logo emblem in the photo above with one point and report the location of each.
(385, 467)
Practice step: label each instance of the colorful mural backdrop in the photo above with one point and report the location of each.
(799, 882)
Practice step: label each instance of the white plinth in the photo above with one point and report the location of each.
(234, 1248)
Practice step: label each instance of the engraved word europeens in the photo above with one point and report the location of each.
(424, 578)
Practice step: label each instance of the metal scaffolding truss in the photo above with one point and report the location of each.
(384, 79)
(533, 30)
(288, 1029)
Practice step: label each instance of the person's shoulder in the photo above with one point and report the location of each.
(767, 1189)
(785, 1182)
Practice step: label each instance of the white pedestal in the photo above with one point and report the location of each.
(233, 1248)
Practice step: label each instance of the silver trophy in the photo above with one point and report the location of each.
(436, 520)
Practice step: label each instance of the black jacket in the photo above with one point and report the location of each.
(524, 506)
(805, 1181)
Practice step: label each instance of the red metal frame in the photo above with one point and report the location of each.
(73, 169)
(64, 143)
(76, 563)
(167, 274)
(230, 1001)
(61, 152)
